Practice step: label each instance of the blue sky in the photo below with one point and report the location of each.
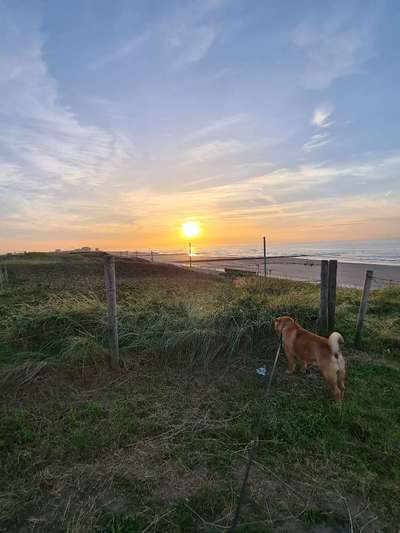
(120, 120)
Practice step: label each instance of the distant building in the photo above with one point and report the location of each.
(83, 249)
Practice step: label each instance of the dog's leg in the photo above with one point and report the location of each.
(302, 366)
(291, 363)
(331, 378)
(336, 393)
(340, 381)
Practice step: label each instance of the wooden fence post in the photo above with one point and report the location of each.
(362, 311)
(3, 274)
(332, 276)
(265, 257)
(109, 275)
(323, 299)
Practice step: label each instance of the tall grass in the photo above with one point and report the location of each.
(193, 319)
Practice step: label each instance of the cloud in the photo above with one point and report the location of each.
(120, 52)
(217, 125)
(321, 115)
(279, 189)
(320, 119)
(212, 150)
(318, 140)
(47, 155)
(334, 46)
(190, 44)
(189, 32)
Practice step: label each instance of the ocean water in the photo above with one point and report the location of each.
(385, 252)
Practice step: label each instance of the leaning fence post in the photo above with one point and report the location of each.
(362, 311)
(323, 300)
(332, 275)
(109, 275)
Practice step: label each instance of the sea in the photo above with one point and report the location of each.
(383, 252)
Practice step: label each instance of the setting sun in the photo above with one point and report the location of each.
(190, 229)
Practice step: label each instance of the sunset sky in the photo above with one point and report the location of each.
(120, 120)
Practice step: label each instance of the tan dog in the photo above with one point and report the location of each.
(302, 346)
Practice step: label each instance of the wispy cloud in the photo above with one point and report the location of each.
(190, 44)
(191, 32)
(318, 140)
(275, 196)
(212, 150)
(335, 46)
(321, 116)
(47, 154)
(120, 52)
(320, 119)
(217, 126)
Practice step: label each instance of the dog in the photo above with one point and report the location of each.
(302, 346)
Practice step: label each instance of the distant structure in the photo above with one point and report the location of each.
(58, 250)
(83, 249)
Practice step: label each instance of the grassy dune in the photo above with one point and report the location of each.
(162, 446)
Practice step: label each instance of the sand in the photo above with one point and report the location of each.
(296, 268)
(349, 274)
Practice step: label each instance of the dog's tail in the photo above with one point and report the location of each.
(335, 340)
(335, 344)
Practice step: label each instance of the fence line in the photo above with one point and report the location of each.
(395, 282)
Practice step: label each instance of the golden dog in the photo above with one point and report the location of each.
(302, 346)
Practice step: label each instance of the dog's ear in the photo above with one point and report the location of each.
(277, 324)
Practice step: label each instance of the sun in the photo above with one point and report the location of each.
(190, 229)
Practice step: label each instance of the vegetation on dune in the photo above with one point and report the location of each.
(162, 446)
(60, 314)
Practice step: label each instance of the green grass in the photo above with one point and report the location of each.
(163, 445)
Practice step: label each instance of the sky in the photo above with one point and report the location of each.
(121, 120)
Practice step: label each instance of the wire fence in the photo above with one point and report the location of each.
(386, 281)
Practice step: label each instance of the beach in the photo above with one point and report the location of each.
(349, 274)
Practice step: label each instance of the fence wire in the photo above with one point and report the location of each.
(387, 280)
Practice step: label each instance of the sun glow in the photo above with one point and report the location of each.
(190, 229)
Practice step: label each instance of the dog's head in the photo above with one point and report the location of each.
(281, 322)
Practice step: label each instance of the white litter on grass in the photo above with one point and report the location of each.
(262, 371)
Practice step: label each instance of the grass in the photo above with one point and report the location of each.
(162, 446)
